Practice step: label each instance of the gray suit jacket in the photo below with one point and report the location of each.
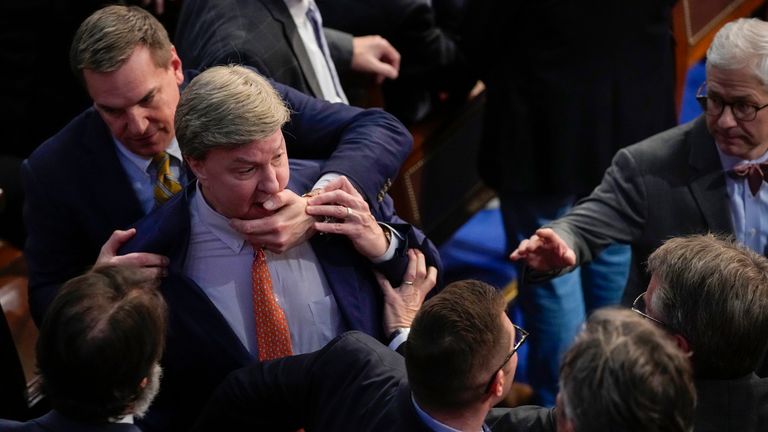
(257, 33)
(732, 405)
(668, 185)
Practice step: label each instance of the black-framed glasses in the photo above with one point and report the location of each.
(640, 308)
(520, 336)
(714, 106)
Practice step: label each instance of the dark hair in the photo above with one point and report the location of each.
(623, 374)
(715, 294)
(456, 341)
(101, 336)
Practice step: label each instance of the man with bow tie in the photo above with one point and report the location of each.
(703, 176)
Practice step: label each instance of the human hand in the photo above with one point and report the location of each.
(351, 217)
(289, 226)
(375, 55)
(402, 303)
(544, 251)
(148, 265)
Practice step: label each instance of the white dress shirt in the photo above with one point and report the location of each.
(320, 64)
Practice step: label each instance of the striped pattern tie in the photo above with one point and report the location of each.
(166, 184)
(272, 333)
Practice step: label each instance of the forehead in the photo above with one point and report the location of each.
(260, 151)
(740, 83)
(127, 84)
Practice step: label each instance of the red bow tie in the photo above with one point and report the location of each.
(754, 173)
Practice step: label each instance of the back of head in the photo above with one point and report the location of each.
(107, 38)
(623, 374)
(456, 341)
(715, 294)
(227, 107)
(102, 335)
(742, 43)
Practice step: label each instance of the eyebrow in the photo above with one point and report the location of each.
(150, 94)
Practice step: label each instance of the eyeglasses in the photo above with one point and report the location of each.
(714, 106)
(520, 337)
(640, 308)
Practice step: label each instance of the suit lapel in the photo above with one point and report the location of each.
(280, 13)
(707, 181)
(117, 198)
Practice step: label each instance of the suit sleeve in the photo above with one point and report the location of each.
(616, 211)
(368, 146)
(54, 250)
(522, 419)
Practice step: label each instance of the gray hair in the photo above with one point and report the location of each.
(107, 38)
(742, 43)
(624, 374)
(715, 294)
(227, 106)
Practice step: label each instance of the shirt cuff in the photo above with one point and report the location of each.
(325, 179)
(399, 336)
(394, 243)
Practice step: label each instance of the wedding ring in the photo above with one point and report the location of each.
(349, 212)
(407, 282)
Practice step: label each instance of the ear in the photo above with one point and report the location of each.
(144, 382)
(198, 168)
(562, 421)
(682, 343)
(178, 71)
(497, 386)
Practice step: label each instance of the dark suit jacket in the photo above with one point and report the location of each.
(53, 421)
(669, 185)
(258, 33)
(353, 384)
(569, 83)
(77, 192)
(202, 348)
(732, 405)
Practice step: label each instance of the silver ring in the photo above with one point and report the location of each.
(349, 212)
(407, 282)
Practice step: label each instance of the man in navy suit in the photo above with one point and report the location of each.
(96, 175)
(98, 353)
(229, 124)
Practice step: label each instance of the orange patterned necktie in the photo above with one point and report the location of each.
(272, 333)
(166, 184)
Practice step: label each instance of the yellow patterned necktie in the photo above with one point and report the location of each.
(166, 184)
(272, 334)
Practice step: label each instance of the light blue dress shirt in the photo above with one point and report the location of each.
(435, 425)
(142, 176)
(219, 260)
(749, 214)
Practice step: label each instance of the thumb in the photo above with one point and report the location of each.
(118, 238)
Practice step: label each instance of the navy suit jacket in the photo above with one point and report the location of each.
(77, 191)
(353, 384)
(201, 346)
(54, 421)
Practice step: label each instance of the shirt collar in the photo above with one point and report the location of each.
(298, 9)
(431, 423)
(143, 162)
(216, 222)
(728, 161)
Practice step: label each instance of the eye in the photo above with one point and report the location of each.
(246, 170)
(742, 108)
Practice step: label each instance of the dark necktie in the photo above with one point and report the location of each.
(754, 173)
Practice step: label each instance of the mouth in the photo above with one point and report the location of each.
(257, 211)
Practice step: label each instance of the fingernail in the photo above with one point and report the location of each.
(269, 204)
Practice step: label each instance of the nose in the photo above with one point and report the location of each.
(268, 182)
(726, 119)
(136, 121)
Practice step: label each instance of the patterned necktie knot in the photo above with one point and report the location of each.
(754, 173)
(166, 185)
